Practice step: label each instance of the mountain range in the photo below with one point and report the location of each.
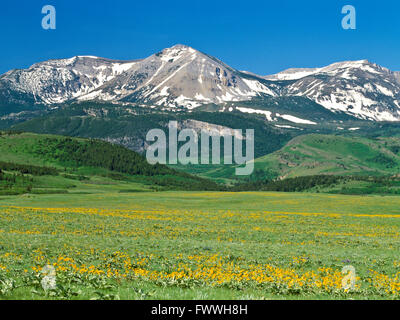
(181, 78)
(341, 120)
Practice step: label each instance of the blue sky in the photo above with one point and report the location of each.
(260, 36)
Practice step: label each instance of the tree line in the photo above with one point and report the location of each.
(28, 169)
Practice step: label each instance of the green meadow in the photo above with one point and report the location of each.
(105, 244)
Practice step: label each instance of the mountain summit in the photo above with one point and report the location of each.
(361, 88)
(179, 76)
(182, 77)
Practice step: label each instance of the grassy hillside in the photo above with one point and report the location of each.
(54, 164)
(332, 154)
(360, 165)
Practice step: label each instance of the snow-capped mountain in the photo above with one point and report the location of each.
(181, 76)
(177, 76)
(360, 88)
(58, 81)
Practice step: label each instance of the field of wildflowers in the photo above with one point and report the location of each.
(199, 245)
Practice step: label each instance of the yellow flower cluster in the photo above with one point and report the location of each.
(385, 283)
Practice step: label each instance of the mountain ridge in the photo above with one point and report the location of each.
(181, 77)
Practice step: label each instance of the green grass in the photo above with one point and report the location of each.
(150, 245)
(328, 154)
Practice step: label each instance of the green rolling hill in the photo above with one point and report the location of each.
(37, 163)
(316, 154)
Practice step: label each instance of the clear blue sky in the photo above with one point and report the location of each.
(261, 36)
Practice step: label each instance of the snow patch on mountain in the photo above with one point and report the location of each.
(268, 114)
(258, 87)
(292, 74)
(295, 119)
